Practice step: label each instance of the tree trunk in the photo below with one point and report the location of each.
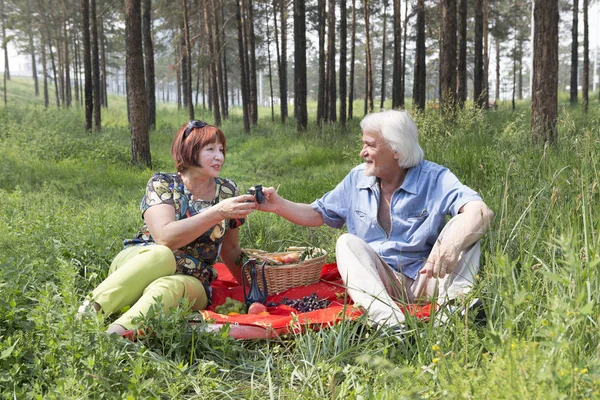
(188, 69)
(269, 64)
(403, 69)
(478, 97)
(33, 64)
(76, 63)
(283, 83)
(352, 59)
(252, 64)
(214, 88)
(183, 64)
(66, 56)
(87, 63)
(520, 87)
(369, 62)
(223, 52)
(321, 90)
(243, 65)
(59, 61)
(586, 58)
(300, 90)
(420, 66)
(486, 58)
(385, 5)
(574, 54)
(54, 71)
(448, 56)
(461, 86)
(103, 76)
(497, 96)
(96, 65)
(397, 67)
(544, 106)
(331, 81)
(219, 67)
(514, 86)
(4, 46)
(43, 50)
(178, 81)
(136, 87)
(149, 62)
(343, 39)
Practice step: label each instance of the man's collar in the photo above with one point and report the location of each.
(409, 185)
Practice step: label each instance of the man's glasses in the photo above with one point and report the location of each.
(191, 125)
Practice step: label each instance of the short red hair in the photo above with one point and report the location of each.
(185, 150)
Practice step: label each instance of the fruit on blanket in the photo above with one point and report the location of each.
(256, 308)
(231, 306)
(233, 313)
(307, 303)
(264, 313)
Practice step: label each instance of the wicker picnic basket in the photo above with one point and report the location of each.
(281, 276)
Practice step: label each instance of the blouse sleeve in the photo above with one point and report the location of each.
(159, 190)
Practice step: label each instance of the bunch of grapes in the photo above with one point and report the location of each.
(307, 303)
(231, 306)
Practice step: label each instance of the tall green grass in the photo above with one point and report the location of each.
(69, 197)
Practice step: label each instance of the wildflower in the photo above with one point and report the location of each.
(575, 369)
(435, 347)
(513, 346)
(435, 360)
(584, 371)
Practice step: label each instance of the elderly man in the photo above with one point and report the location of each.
(399, 247)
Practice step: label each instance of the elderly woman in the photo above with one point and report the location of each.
(399, 247)
(190, 218)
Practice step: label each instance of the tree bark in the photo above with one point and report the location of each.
(43, 50)
(497, 96)
(448, 56)
(283, 83)
(95, 65)
(243, 65)
(343, 39)
(149, 62)
(136, 86)
(102, 44)
(300, 90)
(574, 54)
(384, 41)
(478, 97)
(87, 63)
(321, 89)
(33, 63)
(252, 58)
(76, 63)
(586, 58)
(369, 62)
(269, 64)
(486, 58)
(188, 66)
(352, 60)
(4, 46)
(218, 66)
(403, 69)
(420, 66)
(331, 81)
(66, 56)
(461, 87)
(397, 67)
(223, 52)
(183, 63)
(544, 106)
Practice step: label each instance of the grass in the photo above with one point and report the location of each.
(70, 197)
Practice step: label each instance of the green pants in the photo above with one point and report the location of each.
(140, 274)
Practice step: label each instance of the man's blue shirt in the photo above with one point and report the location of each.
(419, 208)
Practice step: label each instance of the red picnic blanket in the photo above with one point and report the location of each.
(284, 319)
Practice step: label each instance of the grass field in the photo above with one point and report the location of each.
(69, 197)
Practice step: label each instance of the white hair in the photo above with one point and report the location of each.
(399, 131)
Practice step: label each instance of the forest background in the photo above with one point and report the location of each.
(71, 189)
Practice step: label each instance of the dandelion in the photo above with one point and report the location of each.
(584, 371)
(575, 369)
(435, 347)
(561, 372)
(435, 360)
(513, 346)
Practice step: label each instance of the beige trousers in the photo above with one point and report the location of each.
(375, 286)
